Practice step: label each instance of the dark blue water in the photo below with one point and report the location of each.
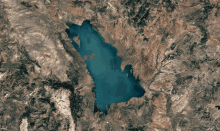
(112, 85)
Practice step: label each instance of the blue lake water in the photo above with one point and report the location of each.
(112, 85)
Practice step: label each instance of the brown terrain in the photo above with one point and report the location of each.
(173, 46)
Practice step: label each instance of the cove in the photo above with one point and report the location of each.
(112, 85)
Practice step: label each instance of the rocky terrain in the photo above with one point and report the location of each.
(173, 45)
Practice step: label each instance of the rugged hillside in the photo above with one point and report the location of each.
(174, 47)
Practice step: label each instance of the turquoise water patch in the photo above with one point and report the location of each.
(112, 85)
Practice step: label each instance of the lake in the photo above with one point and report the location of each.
(112, 85)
